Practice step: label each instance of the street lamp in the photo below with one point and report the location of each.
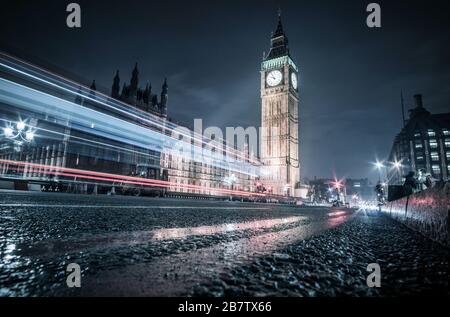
(8, 132)
(20, 125)
(397, 166)
(338, 185)
(18, 132)
(29, 136)
(379, 165)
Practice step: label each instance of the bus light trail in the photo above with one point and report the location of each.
(99, 176)
(111, 127)
(59, 82)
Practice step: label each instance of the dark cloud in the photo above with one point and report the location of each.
(351, 76)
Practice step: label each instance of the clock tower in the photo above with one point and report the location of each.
(279, 117)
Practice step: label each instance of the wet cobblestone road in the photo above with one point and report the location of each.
(130, 246)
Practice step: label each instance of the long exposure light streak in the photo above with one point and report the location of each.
(84, 118)
(89, 142)
(111, 103)
(85, 174)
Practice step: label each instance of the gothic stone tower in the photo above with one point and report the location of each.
(279, 120)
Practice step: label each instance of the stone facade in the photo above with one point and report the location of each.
(185, 174)
(140, 98)
(279, 121)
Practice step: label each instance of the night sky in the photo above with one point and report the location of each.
(210, 51)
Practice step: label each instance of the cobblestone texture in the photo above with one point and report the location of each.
(334, 264)
(301, 258)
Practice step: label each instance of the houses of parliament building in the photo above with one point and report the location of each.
(140, 98)
(97, 138)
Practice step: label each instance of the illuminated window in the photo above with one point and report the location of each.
(420, 166)
(433, 144)
(436, 169)
(418, 145)
(431, 132)
(445, 132)
(417, 135)
(447, 142)
(434, 156)
(447, 155)
(420, 158)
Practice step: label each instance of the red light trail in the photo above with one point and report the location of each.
(99, 176)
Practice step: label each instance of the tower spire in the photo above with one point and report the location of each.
(164, 96)
(116, 86)
(135, 77)
(279, 41)
(279, 31)
(279, 154)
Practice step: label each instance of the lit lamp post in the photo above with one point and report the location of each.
(398, 167)
(18, 132)
(338, 185)
(379, 166)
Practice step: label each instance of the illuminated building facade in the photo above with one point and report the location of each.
(87, 142)
(209, 176)
(348, 189)
(187, 173)
(422, 144)
(279, 122)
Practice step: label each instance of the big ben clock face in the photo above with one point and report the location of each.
(294, 80)
(274, 78)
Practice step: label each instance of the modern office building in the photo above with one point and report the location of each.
(422, 144)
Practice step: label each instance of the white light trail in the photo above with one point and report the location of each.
(106, 126)
(123, 108)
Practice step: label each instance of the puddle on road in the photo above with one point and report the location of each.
(176, 274)
(336, 213)
(177, 233)
(50, 248)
